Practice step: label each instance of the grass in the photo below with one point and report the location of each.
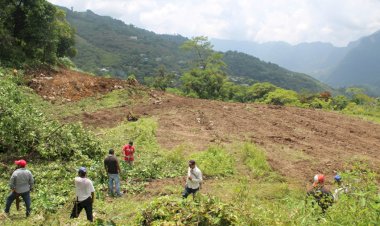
(116, 98)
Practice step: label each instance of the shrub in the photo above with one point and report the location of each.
(215, 161)
(282, 97)
(175, 211)
(25, 131)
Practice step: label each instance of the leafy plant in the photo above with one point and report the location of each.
(215, 161)
(169, 210)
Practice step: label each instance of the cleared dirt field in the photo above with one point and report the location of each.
(298, 142)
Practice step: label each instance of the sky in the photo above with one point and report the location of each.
(292, 21)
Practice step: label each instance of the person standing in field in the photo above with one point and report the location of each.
(193, 180)
(321, 195)
(85, 194)
(128, 151)
(21, 183)
(111, 164)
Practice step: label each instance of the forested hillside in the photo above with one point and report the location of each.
(245, 66)
(361, 66)
(109, 46)
(316, 58)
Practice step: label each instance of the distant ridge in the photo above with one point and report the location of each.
(109, 46)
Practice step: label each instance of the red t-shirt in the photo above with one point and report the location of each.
(128, 152)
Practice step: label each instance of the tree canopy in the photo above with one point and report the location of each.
(33, 32)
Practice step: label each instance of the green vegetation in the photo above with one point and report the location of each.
(255, 160)
(175, 211)
(215, 161)
(25, 131)
(33, 32)
(246, 69)
(109, 47)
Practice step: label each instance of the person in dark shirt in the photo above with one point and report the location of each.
(321, 195)
(111, 164)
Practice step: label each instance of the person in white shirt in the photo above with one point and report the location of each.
(193, 180)
(85, 192)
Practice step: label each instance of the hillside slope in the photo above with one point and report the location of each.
(298, 142)
(108, 46)
(316, 59)
(360, 66)
(241, 65)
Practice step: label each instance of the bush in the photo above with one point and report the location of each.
(282, 97)
(215, 161)
(25, 131)
(175, 211)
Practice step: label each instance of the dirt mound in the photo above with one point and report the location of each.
(66, 85)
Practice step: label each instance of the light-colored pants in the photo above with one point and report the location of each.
(111, 179)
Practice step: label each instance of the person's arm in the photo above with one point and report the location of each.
(189, 174)
(92, 189)
(31, 181)
(105, 167)
(92, 197)
(197, 176)
(12, 182)
(118, 166)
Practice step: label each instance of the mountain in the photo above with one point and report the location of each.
(109, 46)
(361, 66)
(241, 65)
(316, 58)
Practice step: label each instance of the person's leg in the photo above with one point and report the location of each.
(194, 192)
(26, 197)
(10, 199)
(110, 184)
(78, 206)
(117, 184)
(74, 212)
(186, 192)
(88, 208)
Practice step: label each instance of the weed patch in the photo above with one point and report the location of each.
(215, 161)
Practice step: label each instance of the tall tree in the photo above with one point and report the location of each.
(206, 78)
(33, 31)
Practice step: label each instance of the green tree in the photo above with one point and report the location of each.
(33, 31)
(282, 97)
(207, 77)
(161, 80)
(339, 102)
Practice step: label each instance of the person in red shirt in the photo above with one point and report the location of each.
(128, 151)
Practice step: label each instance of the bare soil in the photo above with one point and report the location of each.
(298, 142)
(65, 85)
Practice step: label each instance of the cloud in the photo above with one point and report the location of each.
(293, 21)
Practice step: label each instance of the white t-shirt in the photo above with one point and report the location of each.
(83, 188)
(196, 176)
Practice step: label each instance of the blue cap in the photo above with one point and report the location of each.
(337, 178)
(82, 170)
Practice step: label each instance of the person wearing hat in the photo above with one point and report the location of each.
(340, 187)
(111, 164)
(193, 180)
(21, 183)
(85, 192)
(321, 195)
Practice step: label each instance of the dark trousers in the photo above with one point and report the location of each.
(189, 191)
(25, 196)
(79, 206)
